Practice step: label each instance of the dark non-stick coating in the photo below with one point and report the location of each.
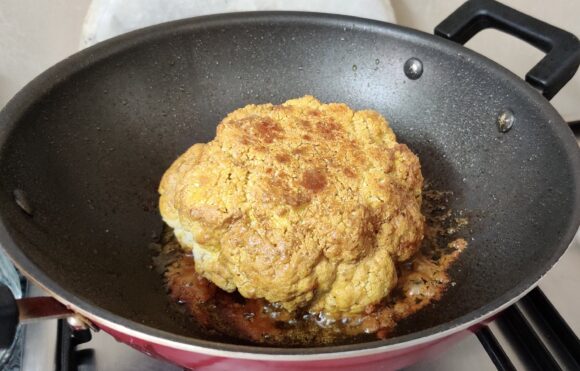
(88, 141)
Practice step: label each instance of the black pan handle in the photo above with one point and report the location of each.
(8, 317)
(562, 48)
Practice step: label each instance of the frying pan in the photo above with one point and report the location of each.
(84, 145)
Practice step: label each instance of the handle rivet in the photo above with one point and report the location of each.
(413, 68)
(505, 120)
(78, 322)
(22, 201)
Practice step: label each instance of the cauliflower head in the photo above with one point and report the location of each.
(305, 204)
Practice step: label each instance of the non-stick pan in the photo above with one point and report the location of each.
(84, 145)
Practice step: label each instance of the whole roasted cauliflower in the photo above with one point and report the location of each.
(305, 204)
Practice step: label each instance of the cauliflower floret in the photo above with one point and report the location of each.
(306, 204)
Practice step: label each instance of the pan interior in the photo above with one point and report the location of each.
(88, 145)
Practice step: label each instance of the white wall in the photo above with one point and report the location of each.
(34, 34)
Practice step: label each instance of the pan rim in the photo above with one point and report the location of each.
(76, 63)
